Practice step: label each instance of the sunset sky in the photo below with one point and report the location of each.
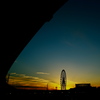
(70, 41)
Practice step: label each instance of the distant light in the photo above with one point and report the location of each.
(10, 93)
(49, 92)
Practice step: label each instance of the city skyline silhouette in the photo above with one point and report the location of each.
(12, 80)
(80, 91)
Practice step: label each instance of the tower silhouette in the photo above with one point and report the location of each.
(47, 86)
(7, 79)
(63, 80)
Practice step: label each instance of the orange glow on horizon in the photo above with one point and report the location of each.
(21, 81)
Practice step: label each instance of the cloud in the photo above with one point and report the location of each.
(12, 73)
(24, 80)
(42, 73)
(17, 75)
(31, 87)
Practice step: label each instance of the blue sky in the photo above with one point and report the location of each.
(70, 41)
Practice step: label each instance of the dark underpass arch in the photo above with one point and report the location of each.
(21, 21)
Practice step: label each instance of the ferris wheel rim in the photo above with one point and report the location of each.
(63, 80)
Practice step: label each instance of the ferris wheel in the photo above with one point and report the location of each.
(63, 80)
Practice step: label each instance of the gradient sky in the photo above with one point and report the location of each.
(70, 41)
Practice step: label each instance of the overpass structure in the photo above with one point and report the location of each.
(21, 21)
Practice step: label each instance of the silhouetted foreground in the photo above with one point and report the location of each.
(72, 94)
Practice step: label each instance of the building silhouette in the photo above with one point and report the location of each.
(83, 85)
